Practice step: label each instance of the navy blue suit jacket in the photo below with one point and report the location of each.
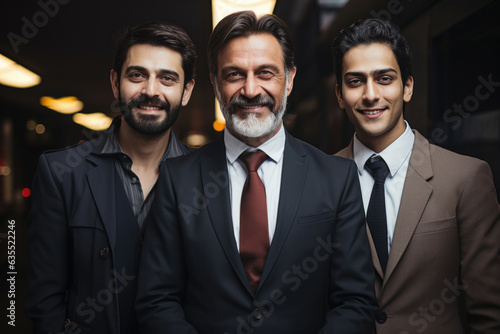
(318, 277)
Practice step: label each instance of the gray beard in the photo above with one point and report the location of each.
(252, 126)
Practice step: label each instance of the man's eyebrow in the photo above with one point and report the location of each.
(143, 69)
(170, 72)
(376, 72)
(230, 68)
(226, 69)
(354, 74)
(271, 67)
(135, 68)
(385, 70)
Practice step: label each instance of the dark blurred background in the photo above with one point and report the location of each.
(456, 102)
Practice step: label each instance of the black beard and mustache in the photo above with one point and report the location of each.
(148, 124)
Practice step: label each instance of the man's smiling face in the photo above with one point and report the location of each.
(151, 88)
(372, 93)
(252, 85)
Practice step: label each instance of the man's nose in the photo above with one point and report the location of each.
(151, 87)
(251, 87)
(371, 92)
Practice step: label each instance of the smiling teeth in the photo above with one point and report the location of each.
(149, 108)
(372, 112)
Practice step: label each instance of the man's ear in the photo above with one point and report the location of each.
(188, 89)
(340, 99)
(212, 80)
(115, 84)
(291, 76)
(408, 89)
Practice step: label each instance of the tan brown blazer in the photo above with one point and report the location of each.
(443, 272)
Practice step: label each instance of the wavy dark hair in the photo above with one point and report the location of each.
(158, 34)
(246, 23)
(372, 31)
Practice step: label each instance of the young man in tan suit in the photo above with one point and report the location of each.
(433, 216)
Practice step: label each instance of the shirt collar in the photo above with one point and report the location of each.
(112, 146)
(274, 147)
(394, 155)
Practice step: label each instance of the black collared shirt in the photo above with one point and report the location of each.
(131, 183)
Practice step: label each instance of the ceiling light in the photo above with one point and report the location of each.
(14, 75)
(95, 121)
(222, 8)
(64, 105)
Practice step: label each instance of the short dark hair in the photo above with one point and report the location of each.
(158, 34)
(370, 31)
(244, 24)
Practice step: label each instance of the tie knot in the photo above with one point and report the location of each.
(253, 160)
(377, 168)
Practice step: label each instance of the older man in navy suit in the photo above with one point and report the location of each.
(257, 232)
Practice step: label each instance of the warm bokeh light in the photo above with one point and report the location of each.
(196, 139)
(219, 126)
(31, 125)
(40, 129)
(5, 170)
(64, 105)
(220, 121)
(222, 8)
(218, 113)
(14, 75)
(95, 121)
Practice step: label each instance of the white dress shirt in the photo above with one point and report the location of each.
(269, 172)
(397, 157)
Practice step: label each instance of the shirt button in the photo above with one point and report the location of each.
(104, 252)
(381, 317)
(257, 314)
(134, 180)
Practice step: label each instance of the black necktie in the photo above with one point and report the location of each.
(254, 235)
(376, 216)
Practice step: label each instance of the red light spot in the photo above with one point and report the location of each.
(26, 192)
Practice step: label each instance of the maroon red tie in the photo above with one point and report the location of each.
(254, 235)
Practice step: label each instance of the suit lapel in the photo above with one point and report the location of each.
(101, 182)
(415, 196)
(292, 183)
(219, 207)
(348, 154)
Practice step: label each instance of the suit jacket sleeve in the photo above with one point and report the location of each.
(162, 273)
(47, 243)
(478, 216)
(351, 292)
